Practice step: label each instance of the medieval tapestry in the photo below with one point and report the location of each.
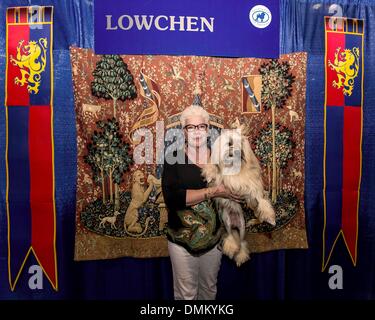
(120, 206)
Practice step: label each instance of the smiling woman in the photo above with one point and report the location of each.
(161, 23)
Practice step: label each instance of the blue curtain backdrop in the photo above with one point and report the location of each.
(289, 274)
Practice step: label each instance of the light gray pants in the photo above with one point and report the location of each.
(194, 276)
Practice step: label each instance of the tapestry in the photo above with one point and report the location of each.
(342, 165)
(120, 209)
(30, 180)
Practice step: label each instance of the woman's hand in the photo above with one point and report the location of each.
(223, 192)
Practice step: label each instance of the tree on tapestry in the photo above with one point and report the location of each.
(109, 157)
(113, 80)
(286, 203)
(284, 150)
(276, 89)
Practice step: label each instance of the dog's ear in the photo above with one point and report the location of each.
(243, 156)
(236, 124)
(245, 130)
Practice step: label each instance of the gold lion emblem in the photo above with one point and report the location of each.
(346, 65)
(31, 59)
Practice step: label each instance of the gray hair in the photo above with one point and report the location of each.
(194, 111)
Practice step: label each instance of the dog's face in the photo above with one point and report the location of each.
(231, 152)
(230, 148)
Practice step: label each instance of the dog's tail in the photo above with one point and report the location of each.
(265, 212)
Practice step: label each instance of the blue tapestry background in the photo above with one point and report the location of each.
(292, 274)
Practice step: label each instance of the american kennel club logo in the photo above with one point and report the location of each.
(260, 16)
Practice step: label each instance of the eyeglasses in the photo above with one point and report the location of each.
(192, 127)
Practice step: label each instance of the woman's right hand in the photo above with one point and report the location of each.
(223, 192)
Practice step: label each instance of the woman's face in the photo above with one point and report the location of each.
(196, 131)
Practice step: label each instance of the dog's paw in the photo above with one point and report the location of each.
(266, 213)
(252, 222)
(230, 246)
(268, 219)
(243, 255)
(271, 220)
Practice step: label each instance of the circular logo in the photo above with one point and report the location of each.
(260, 16)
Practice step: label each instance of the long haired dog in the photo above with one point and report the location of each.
(234, 164)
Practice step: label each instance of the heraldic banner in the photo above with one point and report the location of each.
(30, 195)
(342, 133)
(120, 206)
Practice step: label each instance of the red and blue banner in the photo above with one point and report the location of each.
(30, 192)
(343, 114)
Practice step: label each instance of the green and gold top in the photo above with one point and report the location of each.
(198, 228)
(200, 231)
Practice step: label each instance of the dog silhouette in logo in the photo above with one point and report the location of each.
(260, 17)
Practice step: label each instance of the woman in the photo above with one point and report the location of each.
(194, 228)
